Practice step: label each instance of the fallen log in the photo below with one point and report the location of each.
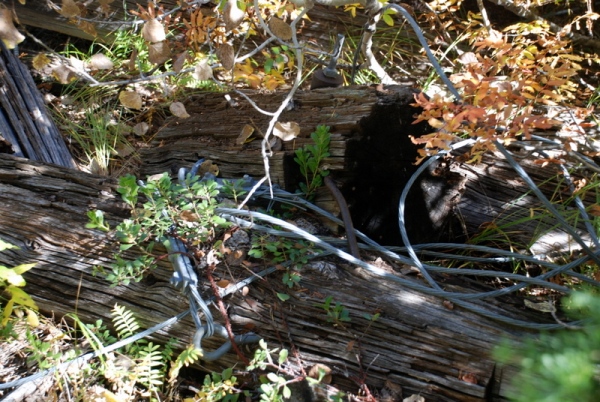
(416, 343)
(25, 125)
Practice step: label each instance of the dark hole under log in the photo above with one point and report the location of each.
(381, 157)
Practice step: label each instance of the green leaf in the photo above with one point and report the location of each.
(283, 296)
(287, 393)
(283, 355)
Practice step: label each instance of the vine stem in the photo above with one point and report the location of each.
(223, 311)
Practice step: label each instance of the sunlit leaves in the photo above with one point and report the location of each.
(280, 29)
(202, 71)
(153, 31)
(69, 9)
(100, 61)
(232, 15)
(130, 99)
(226, 55)
(178, 109)
(8, 33)
(286, 131)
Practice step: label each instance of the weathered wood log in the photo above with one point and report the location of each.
(371, 153)
(416, 342)
(324, 20)
(25, 123)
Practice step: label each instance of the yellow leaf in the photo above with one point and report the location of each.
(40, 61)
(244, 136)
(20, 269)
(130, 99)
(21, 298)
(32, 319)
(7, 312)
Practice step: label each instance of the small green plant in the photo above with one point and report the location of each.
(274, 386)
(170, 209)
(559, 366)
(12, 282)
(310, 159)
(233, 189)
(277, 250)
(219, 387)
(43, 354)
(336, 313)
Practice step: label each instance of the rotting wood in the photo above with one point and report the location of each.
(323, 20)
(416, 343)
(24, 120)
(371, 153)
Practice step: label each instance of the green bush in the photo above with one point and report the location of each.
(559, 366)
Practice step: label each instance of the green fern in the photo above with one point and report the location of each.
(150, 367)
(185, 358)
(124, 321)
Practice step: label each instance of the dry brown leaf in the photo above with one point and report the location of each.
(594, 210)
(244, 136)
(87, 27)
(280, 29)
(223, 283)
(180, 61)
(100, 61)
(320, 369)
(40, 61)
(226, 55)
(232, 15)
(63, 74)
(8, 33)
(159, 52)
(286, 131)
(124, 150)
(178, 109)
(141, 128)
(76, 64)
(130, 99)
(189, 216)
(132, 60)
(203, 71)
(208, 167)
(105, 6)
(69, 9)
(153, 31)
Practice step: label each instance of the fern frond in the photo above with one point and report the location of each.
(185, 358)
(124, 321)
(150, 366)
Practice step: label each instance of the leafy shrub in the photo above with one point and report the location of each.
(560, 366)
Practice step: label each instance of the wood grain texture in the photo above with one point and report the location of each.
(416, 343)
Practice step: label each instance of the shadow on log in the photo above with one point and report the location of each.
(371, 153)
